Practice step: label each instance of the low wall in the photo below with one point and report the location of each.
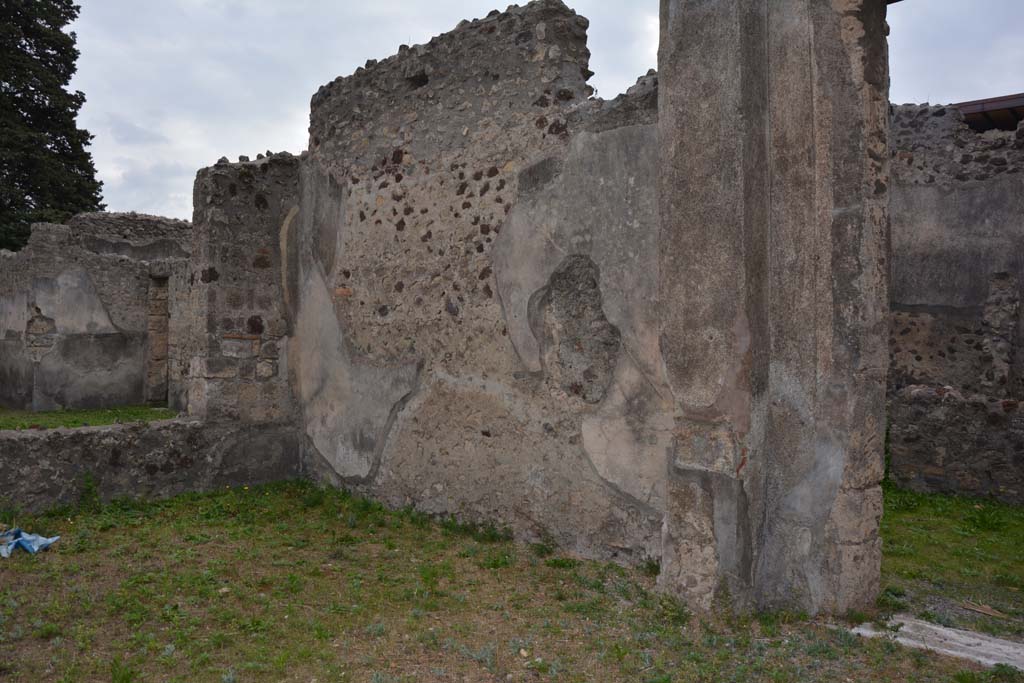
(41, 469)
(944, 441)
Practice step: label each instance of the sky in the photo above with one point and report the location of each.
(173, 85)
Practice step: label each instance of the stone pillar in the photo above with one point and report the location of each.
(773, 118)
(239, 328)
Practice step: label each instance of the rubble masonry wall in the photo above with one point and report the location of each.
(955, 339)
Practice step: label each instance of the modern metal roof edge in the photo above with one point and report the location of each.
(991, 103)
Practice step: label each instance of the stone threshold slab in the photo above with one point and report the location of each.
(969, 645)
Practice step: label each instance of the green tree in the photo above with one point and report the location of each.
(46, 172)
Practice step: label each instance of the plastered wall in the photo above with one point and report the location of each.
(76, 305)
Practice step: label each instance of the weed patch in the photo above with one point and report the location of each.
(25, 419)
(190, 589)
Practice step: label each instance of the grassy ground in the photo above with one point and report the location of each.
(25, 419)
(946, 557)
(291, 583)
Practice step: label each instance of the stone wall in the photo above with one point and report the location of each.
(41, 469)
(473, 336)
(139, 236)
(955, 340)
(932, 145)
(471, 264)
(76, 324)
(942, 440)
(957, 212)
(973, 349)
(953, 418)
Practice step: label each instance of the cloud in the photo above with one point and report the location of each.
(946, 51)
(173, 88)
(162, 187)
(174, 85)
(127, 133)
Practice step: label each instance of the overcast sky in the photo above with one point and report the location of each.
(172, 85)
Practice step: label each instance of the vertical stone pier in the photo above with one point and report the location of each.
(238, 370)
(773, 119)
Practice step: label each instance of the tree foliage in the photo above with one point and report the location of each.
(46, 172)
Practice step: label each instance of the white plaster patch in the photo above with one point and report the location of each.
(628, 438)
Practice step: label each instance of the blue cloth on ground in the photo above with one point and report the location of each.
(16, 538)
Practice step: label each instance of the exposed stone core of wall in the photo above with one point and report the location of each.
(944, 441)
(148, 235)
(580, 345)
(933, 146)
(1001, 319)
(972, 349)
(773, 295)
(958, 261)
(77, 325)
(953, 400)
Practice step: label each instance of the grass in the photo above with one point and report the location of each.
(25, 419)
(942, 553)
(294, 583)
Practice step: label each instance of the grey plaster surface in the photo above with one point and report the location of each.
(75, 311)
